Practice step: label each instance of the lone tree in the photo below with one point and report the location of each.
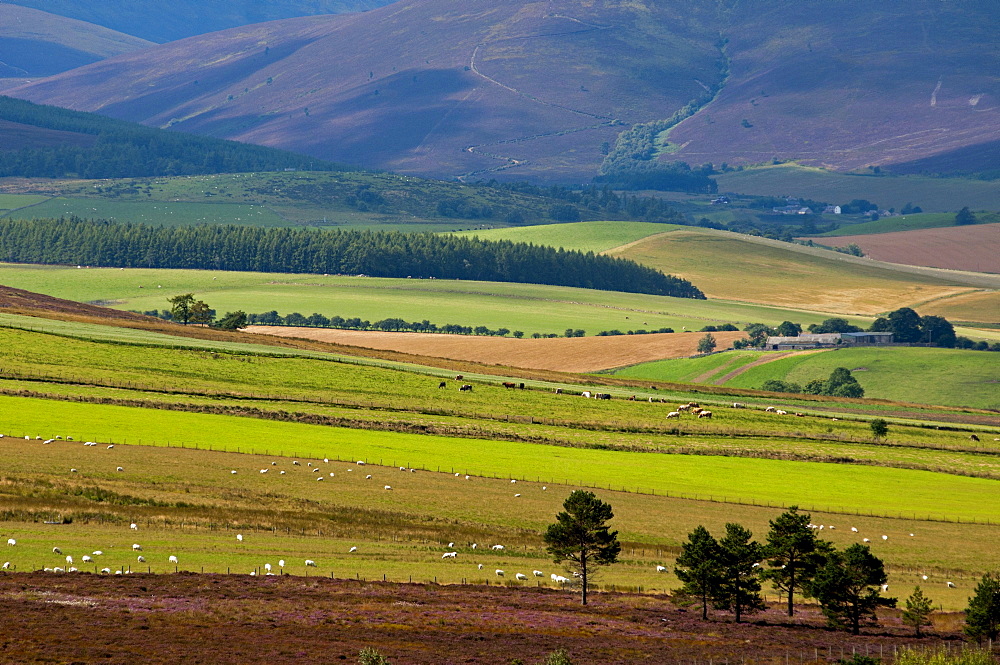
(794, 554)
(848, 587)
(699, 566)
(580, 535)
(233, 320)
(965, 217)
(739, 586)
(880, 429)
(180, 307)
(982, 618)
(707, 343)
(918, 610)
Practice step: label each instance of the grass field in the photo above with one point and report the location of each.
(691, 370)
(527, 307)
(585, 237)
(938, 376)
(893, 224)
(156, 213)
(12, 201)
(979, 306)
(931, 194)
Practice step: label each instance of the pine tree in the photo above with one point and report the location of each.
(918, 610)
(699, 566)
(982, 617)
(739, 587)
(848, 587)
(794, 554)
(581, 536)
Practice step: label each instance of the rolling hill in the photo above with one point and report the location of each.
(532, 89)
(164, 22)
(35, 44)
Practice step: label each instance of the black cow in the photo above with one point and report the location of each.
(466, 388)
(443, 384)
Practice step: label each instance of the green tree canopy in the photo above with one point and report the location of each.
(880, 428)
(789, 329)
(833, 325)
(982, 617)
(582, 537)
(707, 343)
(965, 217)
(739, 584)
(938, 331)
(232, 320)
(848, 587)
(699, 567)
(905, 325)
(180, 307)
(918, 610)
(794, 554)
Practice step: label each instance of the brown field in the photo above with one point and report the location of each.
(576, 354)
(195, 618)
(982, 306)
(973, 248)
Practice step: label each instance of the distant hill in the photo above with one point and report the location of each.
(35, 44)
(524, 88)
(52, 142)
(166, 21)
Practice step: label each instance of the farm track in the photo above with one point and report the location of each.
(760, 361)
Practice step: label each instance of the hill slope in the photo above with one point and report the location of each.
(164, 22)
(493, 86)
(531, 88)
(35, 43)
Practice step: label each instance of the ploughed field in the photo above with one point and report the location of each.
(970, 248)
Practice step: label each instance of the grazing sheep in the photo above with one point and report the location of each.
(480, 566)
(951, 585)
(172, 559)
(233, 472)
(360, 463)
(352, 550)
(295, 462)
(497, 547)
(111, 446)
(133, 526)
(267, 567)
(5, 566)
(319, 478)
(332, 474)
(538, 573)
(544, 488)
(72, 470)
(120, 469)
(923, 577)
(239, 537)
(86, 558)
(449, 555)
(281, 563)
(106, 571)
(56, 550)
(388, 487)
(973, 437)
(705, 414)
(885, 537)
(512, 481)
(499, 572)
(854, 529)
(141, 559)
(368, 477)
(97, 552)
(661, 569)
(521, 576)
(69, 559)
(11, 542)
(310, 563)
(781, 412)
(885, 587)
(866, 540)
(674, 414)
(136, 547)
(516, 495)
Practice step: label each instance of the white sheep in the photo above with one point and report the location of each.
(69, 559)
(72, 470)
(866, 540)
(497, 547)
(111, 446)
(133, 526)
(295, 462)
(97, 552)
(538, 573)
(368, 477)
(923, 577)
(5, 566)
(521, 576)
(11, 542)
(141, 559)
(326, 460)
(267, 567)
(885, 537)
(885, 587)
(281, 563)
(233, 472)
(352, 550)
(120, 469)
(136, 547)
(388, 487)
(106, 571)
(239, 537)
(172, 559)
(512, 481)
(360, 463)
(516, 495)
(310, 563)
(319, 478)
(86, 558)
(854, 529)
(674, 414)
(449, 555)
(951, 585)
(499, 572)
(56, 550)
(661, 569)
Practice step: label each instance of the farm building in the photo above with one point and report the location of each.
(825, 340)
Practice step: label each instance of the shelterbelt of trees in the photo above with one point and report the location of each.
(375, 253)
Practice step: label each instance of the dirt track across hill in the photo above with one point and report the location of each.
(576, 354)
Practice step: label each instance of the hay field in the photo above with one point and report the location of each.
(725, 265)
(974, 248)
(981, 306)
(576, 354)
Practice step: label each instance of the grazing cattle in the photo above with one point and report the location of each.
(739, 405)
(684, 407)
(781, 413)
(585, 393)
(466, 388)
(443, 384)
(973, 437)
(674, 414)
(459, 377)
(520, 386)
(602, 396)
(509, 385)
(558, 391)
(705, 414)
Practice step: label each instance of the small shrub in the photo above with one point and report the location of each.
(558, 657)
(371, 656)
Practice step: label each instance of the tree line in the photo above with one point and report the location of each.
(76, 241)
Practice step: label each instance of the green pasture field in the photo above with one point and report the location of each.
(691, 370)
(527, 307)
(931, 194)
(819, 486)
(399, 534)
(156, 213)
(12, 201)
(931, 376)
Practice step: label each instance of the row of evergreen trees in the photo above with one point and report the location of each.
(374, 253)
(121, 149)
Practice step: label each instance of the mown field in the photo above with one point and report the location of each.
(981, 306)
(931, 194)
